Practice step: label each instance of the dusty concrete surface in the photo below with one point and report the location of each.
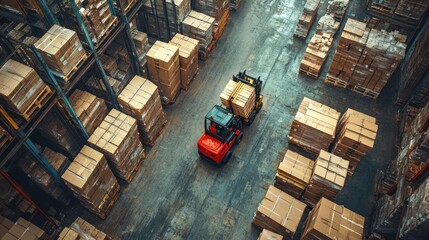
(175, 195)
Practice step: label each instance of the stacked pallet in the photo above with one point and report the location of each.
(97, 18)
(337, 8)
(268, 235)
(117, 137)
(415, 221)
(25, 230)
(62, 51)
(239, 97)
(89, 109)
(366, 58)
(307, 18)
(409, 12)
(5, 225)
(140, 99)
(293, 174)
(188, 58)
(92, 181)
(21, 89)
(328, 178)
(164, 69)
(355, 138)
(328, 220)
(279, 212)
(213, 8)
(314, 126)
(200, 27)
(81, 229)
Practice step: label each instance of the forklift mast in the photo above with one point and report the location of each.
(254, 82)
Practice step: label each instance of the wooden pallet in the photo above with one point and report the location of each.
(203, 56)
(189, 84)
(106, 33)
(308, 73)
(37, 103)
(304, 146)
(129, 6)
(336, 81)
(153, 141)
(365, 92)
(381, 8)
(136, 168)
(69, 75)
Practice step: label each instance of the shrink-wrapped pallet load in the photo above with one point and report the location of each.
(239, 97)
(200, 27)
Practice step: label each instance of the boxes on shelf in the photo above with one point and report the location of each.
(240, 97)
(90, 109)
(200, 27)
(188, 58)
(81, 229)
(142, 47)
(117, 137)
(279, 212)
(62, 51)
(92, 182)
(96, 86)
(164, 69)
(314, 126)
(293, 174)
(213, 8)
(355, 138)
(140, 99)
(307, 18)
(21, 89)
(23, 229)
(268, 235)
(328, 178)
(328, 220)
(5, 225)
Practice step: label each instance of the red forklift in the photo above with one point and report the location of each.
(223, 128)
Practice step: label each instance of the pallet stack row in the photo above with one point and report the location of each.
(279, 212)
(188, 58)
(200, 27)
(164, 70)
(239, 97)
(141, 42)
(92, 182)
(118, 61)
(22, 91)
(319, 45)
(355, 138)
(314, 126)
(81, 229)
(328, 178)
(294, 174)
(140, 99)
(118, 139)
(23, 230)
(5, 225)
(307, 18)
(213, 8)
(409, 12)
(365, 58)
(328, 220)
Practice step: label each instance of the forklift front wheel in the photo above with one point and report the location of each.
(228, 155)
(259, 107)
(239, 137)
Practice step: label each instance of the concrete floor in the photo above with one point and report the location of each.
(175, 195)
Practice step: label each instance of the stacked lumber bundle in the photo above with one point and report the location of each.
(89, 109)
(337, 8)
(92, 181)
(21, 89)
(213, 8)
(117, 137)
(62, 51)
(293, 174)
(140, 99)
(328, 220)
(408, 12)
(366, 58)
(5, 225)
(307, 18)
(328, 178)
(96, 16)
(268, 235)
(164, 66)
(81, 229)
(200, 27)
(355, 138)
(279, 212)
(25, 230)
(314, 126)
(415, 221)
(239, 97)
(188, 58)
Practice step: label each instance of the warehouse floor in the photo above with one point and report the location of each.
(176, 195)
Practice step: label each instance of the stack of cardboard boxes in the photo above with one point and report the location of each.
(200, 27)
(279, 212)
(213, 8)
(164, 69)
(62, 51)
(188, 58)
(356, 136)
(330, 221)
(409, 12)
(21, 89)
(92, 182)
(307, 18)
(5, 225)
(24, 230)
(268, 235)
(314, 126)
(328, 178)
(81, 229)
(142, 47)
(89, 109)
(294, 174)
(239, 97)
(140, 99)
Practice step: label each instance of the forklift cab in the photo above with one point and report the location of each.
(219, 123)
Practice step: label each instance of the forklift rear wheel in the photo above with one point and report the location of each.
(228, 155)
(239, 137)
